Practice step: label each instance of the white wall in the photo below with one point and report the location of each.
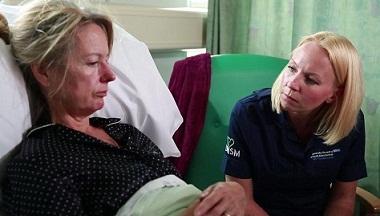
(160, 28)
(153, 3)
(165, 60)
(165, 45)
(165, 32)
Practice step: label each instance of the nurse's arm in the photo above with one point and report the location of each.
(342, 199)
(252, 207)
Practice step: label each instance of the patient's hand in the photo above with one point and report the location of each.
(223, 198)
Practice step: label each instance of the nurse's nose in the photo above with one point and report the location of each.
(294, 81)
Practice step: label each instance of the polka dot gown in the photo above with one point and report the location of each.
(61, 171)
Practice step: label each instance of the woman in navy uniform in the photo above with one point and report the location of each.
(298, 148)
(71, 164)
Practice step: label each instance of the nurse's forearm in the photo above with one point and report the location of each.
(342, 199)
(339, 209)
(253, 209)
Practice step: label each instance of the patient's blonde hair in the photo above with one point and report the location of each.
(337, 119)
(44, 36)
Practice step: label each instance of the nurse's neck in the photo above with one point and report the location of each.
(304, 125)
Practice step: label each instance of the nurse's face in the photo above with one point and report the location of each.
(308, 81)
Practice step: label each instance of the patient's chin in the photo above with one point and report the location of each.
(99, 105)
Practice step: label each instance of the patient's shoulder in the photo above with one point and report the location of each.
(36, 144)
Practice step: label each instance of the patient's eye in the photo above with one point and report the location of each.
(95, 59)
(92, 63)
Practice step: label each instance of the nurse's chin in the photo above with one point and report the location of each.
(288, 107)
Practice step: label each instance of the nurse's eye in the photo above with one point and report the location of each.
(292, 69)
(311, 81)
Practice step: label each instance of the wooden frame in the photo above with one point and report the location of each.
(369, 203)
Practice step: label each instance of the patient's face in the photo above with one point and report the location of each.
(89, 72)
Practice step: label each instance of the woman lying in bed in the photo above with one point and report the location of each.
(71, 164)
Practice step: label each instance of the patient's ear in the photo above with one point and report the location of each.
(40, 75)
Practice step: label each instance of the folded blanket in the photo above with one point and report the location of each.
(190, 85)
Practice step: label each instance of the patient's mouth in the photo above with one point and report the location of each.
(101, 93)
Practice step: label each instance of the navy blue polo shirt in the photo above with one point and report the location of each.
(290, 178)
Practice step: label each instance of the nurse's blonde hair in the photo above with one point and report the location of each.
(336, 119)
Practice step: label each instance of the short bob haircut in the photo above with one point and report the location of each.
(337, 119)
(44, 36)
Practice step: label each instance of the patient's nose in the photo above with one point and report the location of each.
(107, 74)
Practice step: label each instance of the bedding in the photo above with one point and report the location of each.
(168, 195)
(14, 106)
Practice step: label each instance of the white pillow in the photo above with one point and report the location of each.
(138, 96)
(14, 105)
(10, 12)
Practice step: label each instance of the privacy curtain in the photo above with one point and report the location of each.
(276, 26)
(228, 26)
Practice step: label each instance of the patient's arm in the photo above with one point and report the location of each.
(223, 198)
(35, 190)
(252, 207)
(342, 199)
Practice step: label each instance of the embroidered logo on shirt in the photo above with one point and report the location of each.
(230, 150)
(323, 155)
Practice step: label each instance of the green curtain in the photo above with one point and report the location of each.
(228, 26)
(276, 26)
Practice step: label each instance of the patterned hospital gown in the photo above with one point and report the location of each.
(61, 171)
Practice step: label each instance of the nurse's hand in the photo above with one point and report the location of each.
(222, 199)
